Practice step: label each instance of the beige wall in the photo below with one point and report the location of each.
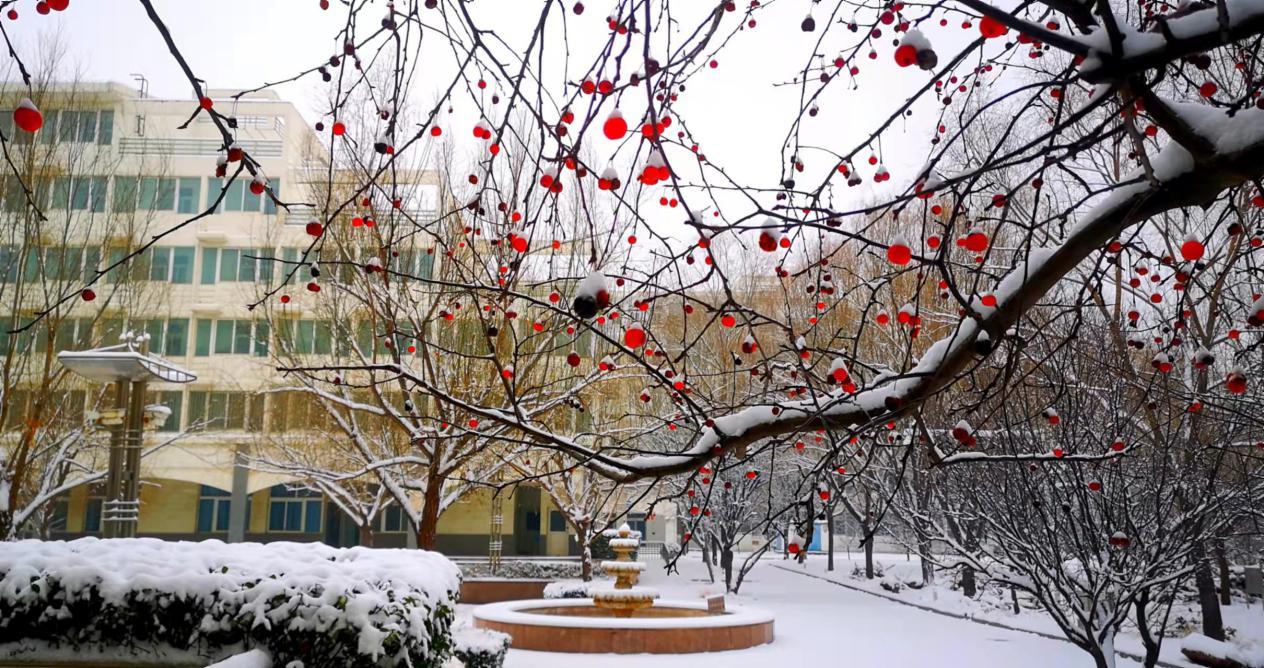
(168, 506)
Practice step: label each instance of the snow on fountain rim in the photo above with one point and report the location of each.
(512, 612)
(633, 594)
(623, 565)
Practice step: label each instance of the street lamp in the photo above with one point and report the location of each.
(130, 369)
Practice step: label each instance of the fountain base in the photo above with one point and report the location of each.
(666, 627)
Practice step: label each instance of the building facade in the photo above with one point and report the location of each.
(144, 161)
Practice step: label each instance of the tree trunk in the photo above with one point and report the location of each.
(1151, 642)
(968, 587)
(928, 567)
(1223, 563)
(726, 563)
(428, 529)
(1213, 623)
(829, 518)
(869, 557)
(585, 552)
(868, 528)
(366, 535)
(705, 546)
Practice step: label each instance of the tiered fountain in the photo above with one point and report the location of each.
(625, 598)
(625, 618)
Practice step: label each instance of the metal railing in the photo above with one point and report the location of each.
(265, 148)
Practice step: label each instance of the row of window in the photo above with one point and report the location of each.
(66, 126)
(136, 193)
(210, 410)
(290, 510)
(176, 264)
(171, 336)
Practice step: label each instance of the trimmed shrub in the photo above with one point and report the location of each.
(480, 648)
(533, 569)
(306, 602)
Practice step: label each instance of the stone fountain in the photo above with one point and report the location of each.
(625, 618)
(625, 598)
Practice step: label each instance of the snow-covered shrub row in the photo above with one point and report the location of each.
(535, 569)
(306, 602)
(573, 588)
(480, 648)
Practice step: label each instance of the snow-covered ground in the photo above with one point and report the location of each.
(994, 606)
(821, 624)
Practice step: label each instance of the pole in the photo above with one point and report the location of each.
(114, 475)
(131, 477)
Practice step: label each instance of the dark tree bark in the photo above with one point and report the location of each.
(968, 585)
(1148, 640)
(1213, 622)
(1222, 562)
(829, 515)
(428, 528)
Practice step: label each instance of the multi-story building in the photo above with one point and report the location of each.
(139, 155)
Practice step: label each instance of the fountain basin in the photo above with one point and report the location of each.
(668, 627)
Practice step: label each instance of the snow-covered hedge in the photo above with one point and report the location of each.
(572, 588)
(308, 602)
(534, 569)
(480, 648)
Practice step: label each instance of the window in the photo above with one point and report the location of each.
(65, 334)
(71, 126)
(68, 128)
(231, 337)
(636, 522)
(61, 513)
(189, 195)
(418, 262)
(182, 265)
(87, 126)
(226, 411)
(106, 133)
(557, 521)
(391, 520)
(210, 266)
(125, 188)
(237, 264)
(171, 264)
(14, 196)
(238, 198)
(173, 400)
(71, 263)
(10, 264)
(81, 193)
(157, 194)
(92, 510)
(213, 508)
(167, 337)
(48, 133)
(307, 337)
(294, 510)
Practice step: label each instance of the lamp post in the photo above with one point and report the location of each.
(131, 369)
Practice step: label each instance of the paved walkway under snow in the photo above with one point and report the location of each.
(819, 624)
